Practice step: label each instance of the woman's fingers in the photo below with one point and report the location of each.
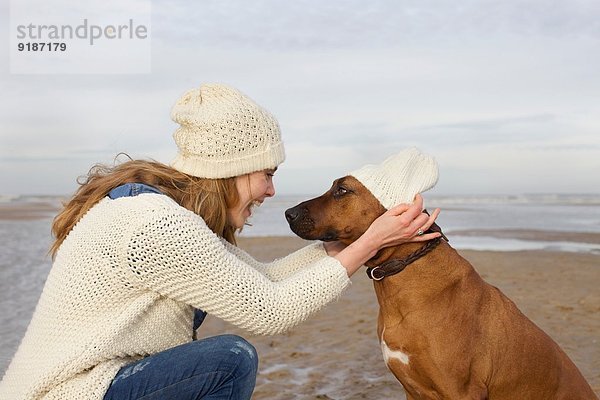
(428, 222)
(409, 211)
(419, 224)
(426, 237)
(411, 223)
(399, 209)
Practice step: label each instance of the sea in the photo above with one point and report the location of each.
(545, 222)
(480, 222)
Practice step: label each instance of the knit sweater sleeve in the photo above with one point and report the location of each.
(176, 255)
(281, 268)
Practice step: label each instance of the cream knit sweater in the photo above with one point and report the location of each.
(124, 284)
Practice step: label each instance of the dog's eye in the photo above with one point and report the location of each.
(340, 191)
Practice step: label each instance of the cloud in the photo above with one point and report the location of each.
(311, 24)
(476, 84)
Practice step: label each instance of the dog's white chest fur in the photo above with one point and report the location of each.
(389, 354)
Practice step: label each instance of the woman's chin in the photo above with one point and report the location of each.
(242, 221)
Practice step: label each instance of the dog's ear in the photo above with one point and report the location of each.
(436, 228)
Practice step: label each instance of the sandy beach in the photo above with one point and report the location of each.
(28, 211)
(336, 354)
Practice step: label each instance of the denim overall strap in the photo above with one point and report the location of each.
(133, 189)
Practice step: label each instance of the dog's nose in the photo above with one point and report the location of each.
(291, 214)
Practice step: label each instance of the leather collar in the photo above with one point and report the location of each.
(394, 266)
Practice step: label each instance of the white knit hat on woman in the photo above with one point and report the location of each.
(399, 178)
(224, 133)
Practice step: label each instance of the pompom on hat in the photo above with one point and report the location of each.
(400, 177)
(223, 133)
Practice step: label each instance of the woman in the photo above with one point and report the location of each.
(142, 244)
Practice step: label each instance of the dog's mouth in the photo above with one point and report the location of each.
(306, 231)
(329, 236)
(304, 226)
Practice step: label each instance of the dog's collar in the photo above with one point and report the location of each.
(394, 266)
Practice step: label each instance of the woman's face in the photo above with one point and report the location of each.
(253, 189)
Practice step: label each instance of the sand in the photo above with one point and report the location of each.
(336, 355)
(27, 211)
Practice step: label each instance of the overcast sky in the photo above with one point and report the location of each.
(505, 95)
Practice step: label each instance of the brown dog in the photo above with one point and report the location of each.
(444, 332)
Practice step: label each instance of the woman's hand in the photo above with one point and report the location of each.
(400, 224)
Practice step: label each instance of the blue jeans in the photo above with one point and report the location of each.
(219, 367)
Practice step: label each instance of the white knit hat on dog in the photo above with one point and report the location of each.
(224, 133)
(399, 178)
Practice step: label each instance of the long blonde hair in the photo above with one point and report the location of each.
(209, 198)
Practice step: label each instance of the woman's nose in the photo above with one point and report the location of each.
(270, 190)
